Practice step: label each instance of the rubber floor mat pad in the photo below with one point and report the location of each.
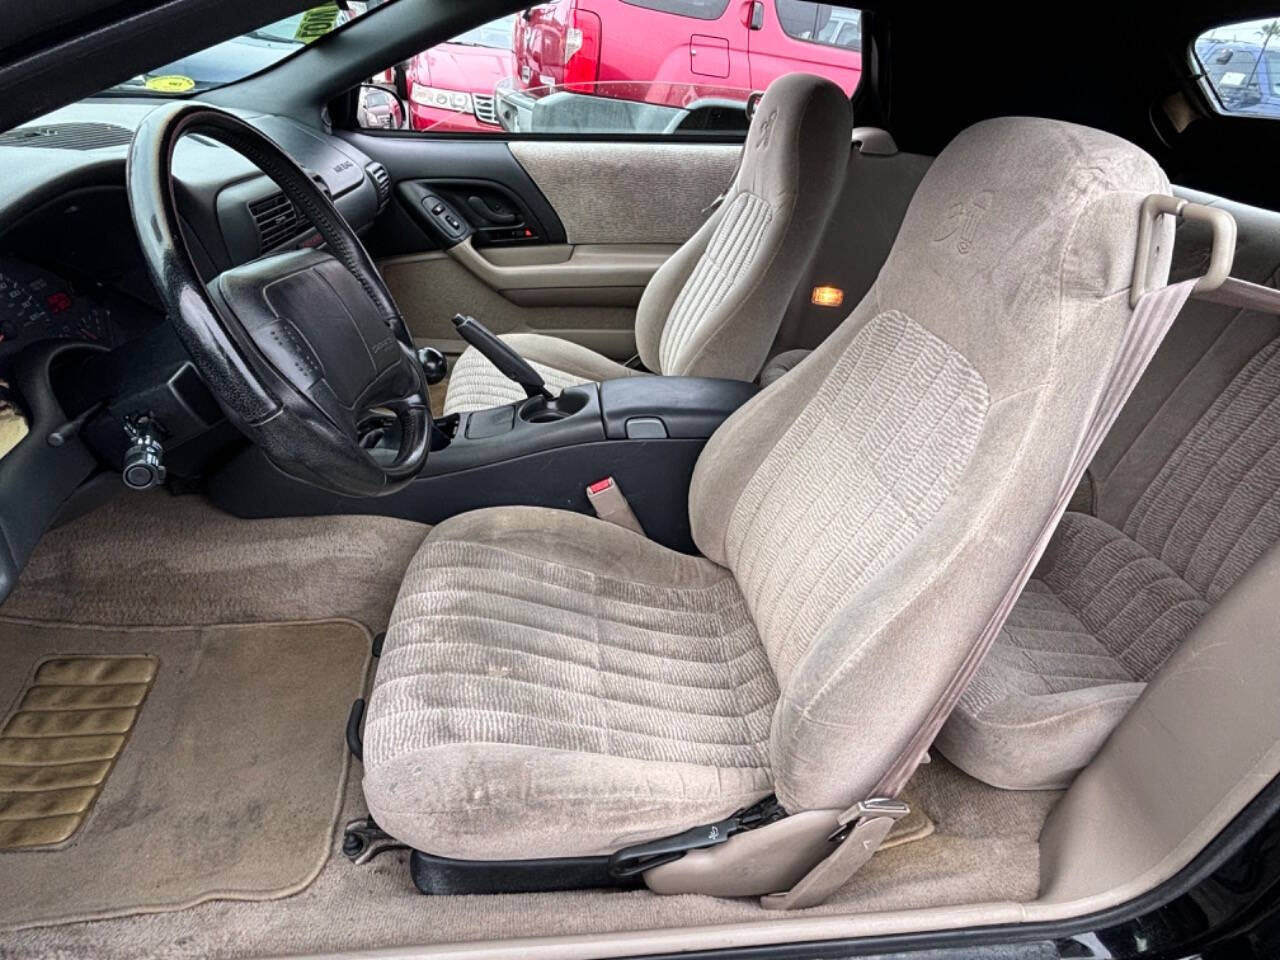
(60, 742)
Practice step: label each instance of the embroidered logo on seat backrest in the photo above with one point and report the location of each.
(766, 130)
(963, 219)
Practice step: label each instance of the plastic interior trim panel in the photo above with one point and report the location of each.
(439, 162)
(647, 435)
(37, 477)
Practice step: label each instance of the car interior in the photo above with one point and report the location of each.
(858, 527)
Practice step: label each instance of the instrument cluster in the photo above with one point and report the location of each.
(38, 304)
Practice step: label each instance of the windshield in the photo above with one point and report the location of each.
(242, 56)
(495, 34)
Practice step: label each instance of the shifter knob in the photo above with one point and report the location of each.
(434, 364)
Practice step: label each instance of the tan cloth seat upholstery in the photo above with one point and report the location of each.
(1107, 607)
(714, 308)
(625, 682)
(860, 520)
(781, 365)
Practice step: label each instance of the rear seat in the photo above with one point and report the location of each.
(1182, 498)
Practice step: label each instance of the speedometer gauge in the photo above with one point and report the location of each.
(36, 304)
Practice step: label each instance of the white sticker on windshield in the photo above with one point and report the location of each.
(1232, 79)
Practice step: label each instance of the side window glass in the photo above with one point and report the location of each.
(650, 68)
(698, 9)
(1240, 63)
(821, 23)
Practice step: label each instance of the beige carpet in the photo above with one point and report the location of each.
(229, 785)
(152, 559)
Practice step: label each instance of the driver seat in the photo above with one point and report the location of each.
(552, 685)
(714, 307)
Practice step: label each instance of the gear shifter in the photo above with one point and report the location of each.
(509, 363)
(435, 366)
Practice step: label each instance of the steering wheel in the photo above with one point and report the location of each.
(297, 347)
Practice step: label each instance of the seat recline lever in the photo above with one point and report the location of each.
(509, 363)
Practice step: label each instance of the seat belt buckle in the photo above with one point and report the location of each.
(609, 503)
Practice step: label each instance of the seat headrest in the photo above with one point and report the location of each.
(799, 113)
(1017, 232)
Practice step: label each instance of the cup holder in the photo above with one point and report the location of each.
(542, 410)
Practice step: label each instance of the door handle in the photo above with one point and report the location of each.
(490, 212)
(757, 15)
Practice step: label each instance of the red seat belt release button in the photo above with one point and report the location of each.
(607, 500)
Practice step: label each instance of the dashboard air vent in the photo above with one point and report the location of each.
(68, 136)
(381, 182)
(276, 219)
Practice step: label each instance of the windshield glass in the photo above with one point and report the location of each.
(495, 34)
(242, 56)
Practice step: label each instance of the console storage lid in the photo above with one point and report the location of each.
(682, 408)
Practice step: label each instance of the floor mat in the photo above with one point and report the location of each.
(229, 784)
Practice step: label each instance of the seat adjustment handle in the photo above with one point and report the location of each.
(632, 860)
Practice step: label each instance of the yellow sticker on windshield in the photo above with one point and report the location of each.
(171, 83)
(316, 22)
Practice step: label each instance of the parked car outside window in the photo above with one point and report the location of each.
(627, 66)
(1241, 64)
(451, 85)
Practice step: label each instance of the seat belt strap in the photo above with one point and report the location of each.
(1151, 319)
(609, 503)
(714, 205)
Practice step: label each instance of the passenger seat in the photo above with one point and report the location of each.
(714, 308)
(1182, 499)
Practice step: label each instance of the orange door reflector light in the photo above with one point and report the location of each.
(827, 296)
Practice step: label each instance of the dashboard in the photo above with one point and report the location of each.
(69, 263)
(84, 344)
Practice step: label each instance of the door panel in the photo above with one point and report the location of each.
(431, 287)
(605, 217)
(611, 274)
(628, 192)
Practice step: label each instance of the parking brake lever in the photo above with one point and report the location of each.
(509, 363)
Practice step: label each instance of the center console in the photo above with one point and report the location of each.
(644, 431)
